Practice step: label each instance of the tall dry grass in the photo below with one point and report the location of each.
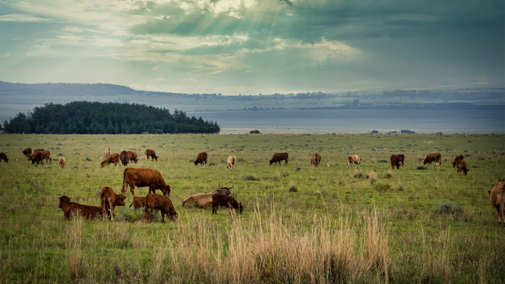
(73, 245)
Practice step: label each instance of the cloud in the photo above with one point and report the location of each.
(21, 18)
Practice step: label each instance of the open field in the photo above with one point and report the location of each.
(338, 225)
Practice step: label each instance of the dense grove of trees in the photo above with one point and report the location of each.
(106, 118)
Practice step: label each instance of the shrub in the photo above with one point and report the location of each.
(422, 168)
(382, 187)
(389, 175)
(254, 131)
(383, 161)
(448, 208)
(358, 173)
(277, 176)
(292, 187)
(250, 177)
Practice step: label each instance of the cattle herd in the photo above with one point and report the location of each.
(220, 197)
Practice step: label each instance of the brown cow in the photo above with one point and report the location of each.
(152, 154)
(204, 200)
(69, 208)
(133, 156)
(124, 157)
(39, 156)
(112, 158)
(278, 158)
(231, 163)
(396, 160)
(27, 152)
(110, 200)
(62, 162)
(433, 157)
(107, 151)
(462, 167)
(162, 203)
(202, 158)
(3, 156)
(226, 201)
(354, 159)
(316, 160)
(138, 202)
(37, 150)
(497, 195)
(456, 159)
(142, 178)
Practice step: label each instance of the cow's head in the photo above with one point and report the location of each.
(271, 162)
(465, 170)
(63, 199)
(166, 190)
(312, 161)
(119, 201)
(103, 164)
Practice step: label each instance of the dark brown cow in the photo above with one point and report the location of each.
(27, 152)
(354, 159)
(161, 203)
(456, 159)
(278, 158)
(62, 162)
(69, 208)
(316, 160)
(462, 167)
(124, 156)
(204, 200)
(3, 156)
(112, 158)
(133, 156)
(433, 157)
(396, 160)
(36, 150)
(202, 158)
(142, 178)
(152, 154)
(39, 156)
(497, 195)
(226, 201)
(110, 200)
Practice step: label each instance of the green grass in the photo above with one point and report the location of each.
(340, 225)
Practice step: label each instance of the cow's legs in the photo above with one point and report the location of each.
(150, 214)
(111, 211)
(132, 189)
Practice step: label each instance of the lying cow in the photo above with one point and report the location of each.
(112, 158)
(69, 208)
(231, 163)
(462, 167)
(497, 195)
(204, 200)
(278, 158)
(110, 200)
(226, 201)
(62, 162)
(456, 159)
(316, 160)
(433, 157)
(354, 159)
(27, 152)
(396, 160)
(39, 156)
(3, 156)
(202, 158)
(142, 178)
(107, 151)
(152, 154)
(161, 203)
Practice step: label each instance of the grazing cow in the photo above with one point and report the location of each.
(278, 158)
(462, 167)
(62, 162)
(138, 202)
(107, 151)
(142, 178)
(396, 160)
(231, 163)
(111, 158)
(353, 159)
(204, 200)
(152, 154)
(124, 157)
(202, 158)
(456, 159)
(3, 156)
(69, 208)
(497, 195)
(161, 203)
(27, 152)
(433, 157)
(226, 201)
(316, 160)
(133, 156)
(39, 156)
(110, 200)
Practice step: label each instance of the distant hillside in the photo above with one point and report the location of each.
(62, 89)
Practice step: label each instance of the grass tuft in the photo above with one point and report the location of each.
(251, 177)
(277, 176)
(292, 187)
(448, 208)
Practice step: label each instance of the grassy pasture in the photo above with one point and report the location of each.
(337, 224)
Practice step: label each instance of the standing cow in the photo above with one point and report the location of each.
(456, 159)
(354, 159)
(278, 158)
(201, 159)
(3, 156)
(161, 203)
(433, 157)
(62, 162)
(462, 167)
(316, 160)
(231, 163)
(107, 151)
(133, 156)
(27, 152)
(144, 177)
(112, 158)
(225, 201)
(110, 200)
(497, 195)
(396, 160)
(152, 154)
(124, 157)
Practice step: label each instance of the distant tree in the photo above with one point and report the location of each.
(355, 103)
(254, 132)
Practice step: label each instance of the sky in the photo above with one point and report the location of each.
(255, 47)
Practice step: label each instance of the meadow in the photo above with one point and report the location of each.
(301, 224)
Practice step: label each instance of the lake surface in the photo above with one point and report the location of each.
(358, 121)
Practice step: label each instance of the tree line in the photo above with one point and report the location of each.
(105, 118)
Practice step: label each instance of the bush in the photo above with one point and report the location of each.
(383, 161)
(448, 208)
(292, 187)
(422, 168)
(250, 177)
(277, 176)
(382, 187)
(254, 132)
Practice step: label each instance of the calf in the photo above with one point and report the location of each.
(110, 200)
(133, 156)
(231, 163)
(354, 159)
(112, 158)
(202, 158)
(162, 203)
(27, 152)
(462, 167)
(138, 202)
(62, 162)
(456, 159)
(107, 151)
(433, 157)
(497, 195)
(278, 158)
(396, 160)
(3, 156)
(316, 160)
(227, 201)
(152, 154)
(69, 208)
